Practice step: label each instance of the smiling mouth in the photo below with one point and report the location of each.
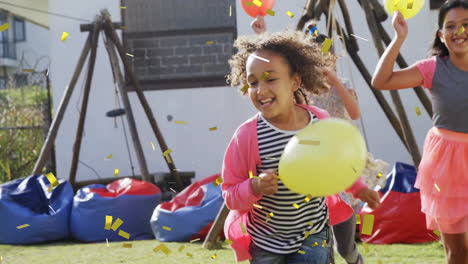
(459, 40)
(266, 102)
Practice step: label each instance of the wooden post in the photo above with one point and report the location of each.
(211, 241)
(111, 34)
(52, 134)
(118, 78)
(84, 104)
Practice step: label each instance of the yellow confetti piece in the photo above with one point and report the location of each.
(167, 228)
(127, 245)
(189, 255)
(270, 12)
(130, 55)
(306, 234)
(460, 31)
(22, 226)
(116, 172)
(245, 88)
(418, 112)
(180, 122)
(181, 248)
(53, 181)
(248, 3)
(117, 224)
(258, 206)
(218, 181)
(379, 175)
(124, 234)
(230, 10)
(271, 214)
(301, 252)
(152, 146)
(27, 70)
(326, 45)
(309, 142)
(290, 14)
(213, 128)
(194, 240)
(257, 3)
(358, 219)
(64, 36)
(366, 247)
(307, 198)
(324, 243)
(244, 231)
(437, 187)
(108, 222)
(166, 155)
(295, 205)
(123, 7)
(109, 157)
(410, 4)
(314, 244)
(4, 27)
(227, 241)
(210, 42)
(368, 224)
(264, 75)
(213, 256)
(396, 2)
(163, 248)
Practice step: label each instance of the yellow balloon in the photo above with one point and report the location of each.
(408, 8)
(324, 158)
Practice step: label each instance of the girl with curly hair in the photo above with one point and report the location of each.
(275, 71)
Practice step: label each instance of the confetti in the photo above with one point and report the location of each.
(166, 155)
(257, 3)
(244, 89)
(314, 244)
(460, 31)
(210, 42)
(130, 55)
(107, 242)
(309, 142)
(301, 252)
(311, 223)
(108, 224)
(230, 10)
(263, 59)
(264, 75)
(290, 14)
(127, 245)
(418, 112)
(218, 181)
(64, 36)
(117, 224)
(270, 12)
(271, 214)
(180, 122)
(396, 2)
(359, 37)
(123, 7)
(243, 229)
(368, 224)
(306, 235)
(4, 27)
(27, 70)
(213, 256)
(109, 157)
(227, 241)
(213, 128)
(116, 172)
(194, 240)
(163, 248)
(314, 31)
(53, 181)
(324, 243)
(22, 226)
(295, 205)
(172, 190)
(258, 206)
(52, 209)
(248, 3)
(123, 27)
(152, 145)
(379, 175)
(124, 234)
(358, 219)
(167, 228)
(410, 4)
(189, 255)
(181, 248)
(437, 187)
(326, 45)
(307, 198)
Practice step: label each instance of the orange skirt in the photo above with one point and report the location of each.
(443, 181)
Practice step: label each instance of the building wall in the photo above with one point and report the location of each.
(34, 52)
(194, 147)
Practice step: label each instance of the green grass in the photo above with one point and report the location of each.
(141, 253)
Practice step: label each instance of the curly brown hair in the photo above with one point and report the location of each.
(303, 54)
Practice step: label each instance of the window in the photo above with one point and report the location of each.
(179, 43)
(436, 4)
(19, 29)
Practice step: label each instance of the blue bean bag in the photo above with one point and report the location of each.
(131, 200)
(26, 201)
(190, 214)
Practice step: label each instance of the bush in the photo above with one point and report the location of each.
(20, 147)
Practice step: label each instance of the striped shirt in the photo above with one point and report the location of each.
(284, 231)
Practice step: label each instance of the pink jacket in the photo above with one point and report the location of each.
(242, 156)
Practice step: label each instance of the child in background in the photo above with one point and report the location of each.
(443, 172)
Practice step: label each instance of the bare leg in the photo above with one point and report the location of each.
(456, 248)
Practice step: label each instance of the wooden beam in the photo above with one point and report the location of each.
(89, 27)
(211, 241)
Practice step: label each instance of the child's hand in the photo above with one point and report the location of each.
(330, 75)
(400, 25)
(266, 183)
(258, 25)
(371, 197)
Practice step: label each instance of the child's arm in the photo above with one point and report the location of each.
(349, 102)
(384, 77)
(258, 25)
(360, 190)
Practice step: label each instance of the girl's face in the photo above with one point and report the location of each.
(271, 86)
(454, 20)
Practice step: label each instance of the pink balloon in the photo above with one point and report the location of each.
(253, 10)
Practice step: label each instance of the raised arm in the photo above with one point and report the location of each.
(385, 78)
(349, 102)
